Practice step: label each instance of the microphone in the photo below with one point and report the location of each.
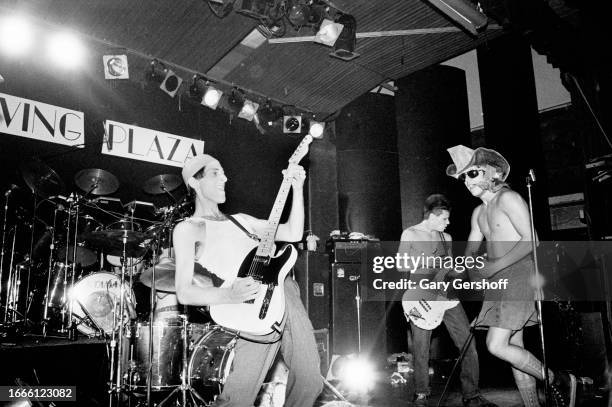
(11, 189)
(532, 175)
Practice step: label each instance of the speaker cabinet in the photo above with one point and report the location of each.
(344, 328)
(312, 274)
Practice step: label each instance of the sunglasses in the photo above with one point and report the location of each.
(471, 174)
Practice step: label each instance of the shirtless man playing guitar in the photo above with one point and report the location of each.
(219, 244)
(429, 239)
(503, 220)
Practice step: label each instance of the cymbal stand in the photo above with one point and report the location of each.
(12, 284)
(117, 329)
(64, 301)
(45, 320)
(152, 300)
(31, 262)
(74, 255)
(6, 205)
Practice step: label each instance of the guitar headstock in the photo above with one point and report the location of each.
(301, 150)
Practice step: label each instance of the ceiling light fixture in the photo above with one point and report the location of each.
(328, 33)
(212, 97)
(463, 13)
(115, 67)
(344, 48)
(249, 108)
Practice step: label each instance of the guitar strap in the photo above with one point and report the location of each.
(444, 243)
(249, 234)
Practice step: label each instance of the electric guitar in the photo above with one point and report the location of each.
(264, 314)
(424, 307)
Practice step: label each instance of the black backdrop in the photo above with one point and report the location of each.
(252, 161)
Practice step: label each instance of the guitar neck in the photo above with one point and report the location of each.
(266, 245)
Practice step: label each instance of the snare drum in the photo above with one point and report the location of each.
(96, 296)
(211, 362)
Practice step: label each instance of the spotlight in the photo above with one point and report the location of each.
(65, 50)
(171, 83)
(355, 372)
(299, 15)
(316, 129)
(115, 67)
(1, 82)
(344, 48)
(462, 12)
(292, 124)
(235, 101)
(249, 108)
(197, 88)
(328, 33)
(257, 9)
(212, 97)
(16, 35)
(268, 114)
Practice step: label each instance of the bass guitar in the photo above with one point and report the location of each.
(264, 314)
(426, 307)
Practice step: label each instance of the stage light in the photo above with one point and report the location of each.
(212, 97)
(344, 48)
(249, 108)
(328, 33)
(235, 101)
(65, 50)
(1, 79)
(463, 13)
(197, 88)
(355, 372)
(115, 67)
(292, 124)
(16, 35)
(316, 129)
(171, 83)
(269, 114)
(257, 9)
(299, 15)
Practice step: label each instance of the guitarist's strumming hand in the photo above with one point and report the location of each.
(243, 289)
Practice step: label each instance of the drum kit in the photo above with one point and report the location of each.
(61, 288)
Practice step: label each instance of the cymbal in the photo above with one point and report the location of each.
(160, 184)
(111, 241)
(84, 256)
(41, 179)
(96, 181)
(164, 276)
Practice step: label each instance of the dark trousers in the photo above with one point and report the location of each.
(459, 329)
(253, 360)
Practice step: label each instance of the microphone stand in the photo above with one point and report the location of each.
(530, 179)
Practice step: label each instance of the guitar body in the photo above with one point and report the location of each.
(265, 313)
(425, 308)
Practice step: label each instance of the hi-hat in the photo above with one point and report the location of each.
(164, 276)
(41, 179)
(160, 184)
(96, 181)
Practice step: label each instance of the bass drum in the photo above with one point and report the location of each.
(211, 362)
(94, 297)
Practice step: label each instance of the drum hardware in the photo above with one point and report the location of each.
(7, 195)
